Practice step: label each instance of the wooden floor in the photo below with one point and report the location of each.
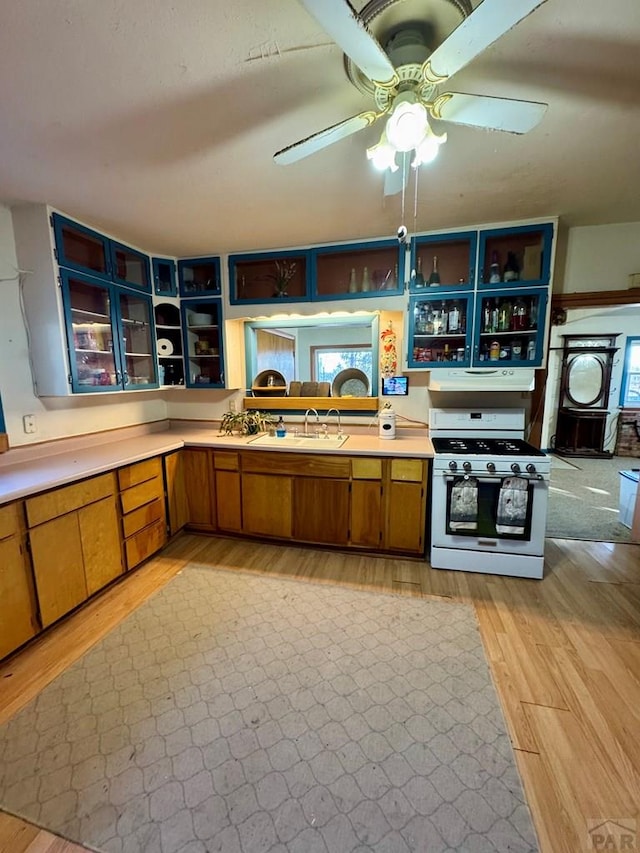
(564, 652)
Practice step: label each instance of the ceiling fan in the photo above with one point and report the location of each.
(404, 69)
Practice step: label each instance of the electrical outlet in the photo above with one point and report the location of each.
(232, 405)
(29, 424)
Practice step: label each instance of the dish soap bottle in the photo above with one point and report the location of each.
(281, 429)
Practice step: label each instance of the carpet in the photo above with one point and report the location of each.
(584, 498)
(240, 713)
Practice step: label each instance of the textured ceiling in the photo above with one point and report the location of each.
(157, 121)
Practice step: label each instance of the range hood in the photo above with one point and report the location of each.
(482, 379)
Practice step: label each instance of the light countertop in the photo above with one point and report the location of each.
(27, 476)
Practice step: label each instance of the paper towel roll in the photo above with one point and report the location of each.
(165, 347)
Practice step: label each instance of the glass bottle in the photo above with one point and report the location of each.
(419, 276)
(494, 269)
(489, 316)
(434, 277)
(519, 316)
(511, 268)
(533, 313)
(366, 283)
(504, 316)
(353, 282)
(453, 318)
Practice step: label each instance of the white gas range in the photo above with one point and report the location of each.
(489, 493)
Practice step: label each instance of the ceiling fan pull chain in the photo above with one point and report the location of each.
(416, 172)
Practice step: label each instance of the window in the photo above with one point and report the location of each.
(630, 396)
(329, 361)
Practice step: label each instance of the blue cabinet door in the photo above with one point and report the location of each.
(510, 326)
(202, 334)
(440, 330)
(263, 277)
(130, 267)
(366, 270)
(164, 277)
(199, 277)
(444, 261)
(523, 251)
(81, 249)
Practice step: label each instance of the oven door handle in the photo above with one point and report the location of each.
(536, 478)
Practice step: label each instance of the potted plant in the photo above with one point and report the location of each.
(246, 422)
(285, 271)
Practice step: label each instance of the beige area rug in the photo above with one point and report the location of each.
(248, 714)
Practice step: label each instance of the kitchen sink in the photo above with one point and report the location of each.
(331, 442)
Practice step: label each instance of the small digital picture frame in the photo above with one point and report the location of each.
(395, 386)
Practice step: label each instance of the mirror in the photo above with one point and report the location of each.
(309, 352)
(585, 379)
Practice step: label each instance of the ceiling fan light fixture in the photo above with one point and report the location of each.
(428, 149)
(383, 155)
(408, 123)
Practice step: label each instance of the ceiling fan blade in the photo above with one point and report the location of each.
(320, 140)
(341, 21)
(395, 182)
(486, 24)
(491, 113)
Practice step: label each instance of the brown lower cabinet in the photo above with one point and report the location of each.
(142, 502)
(19, 611)
(361, 502)
(74, 534)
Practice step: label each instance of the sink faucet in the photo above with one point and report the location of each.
(339, 432)
(306, 421)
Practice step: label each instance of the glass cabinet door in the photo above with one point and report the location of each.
(202, 334)
(81, 248)
(519, 256)
(440, 331)
(93, 359)
(130, 267)
(260, 278)
(446, 261)
(200, 276)
(138, 345)
(510, 326)
(358, 270)
(164, 277)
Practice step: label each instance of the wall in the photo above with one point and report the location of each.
(601, 257)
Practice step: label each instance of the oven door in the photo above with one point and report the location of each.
(487, 526)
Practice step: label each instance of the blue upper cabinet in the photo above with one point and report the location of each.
(199, 277)
(81, 249)
(164, 277)
(357, 270)
(518, 256)
(130, 267)
(443, 262)
(261, 277)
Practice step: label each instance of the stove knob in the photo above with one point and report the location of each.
(515, 467)
(491, 468)
(531, 468)
(453, 465)
(466, 466)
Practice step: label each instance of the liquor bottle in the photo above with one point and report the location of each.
(420, 282)
(511, 268)
(519, 316)
(494, 269)
(353, 282)
(531, 350)
(453, 318)
(504, 316)
(366, 282)
(434, 277)
(533, 313)
(447, 354)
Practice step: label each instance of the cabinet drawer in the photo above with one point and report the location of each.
(409, 470)
(366, 469)
(145, 543)
(9, 520)
(141, 494)
(226, 461)
(138, 473)
(300, 464)
(142, 517)
(61, 501)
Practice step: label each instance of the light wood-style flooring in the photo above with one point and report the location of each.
(564, 653)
